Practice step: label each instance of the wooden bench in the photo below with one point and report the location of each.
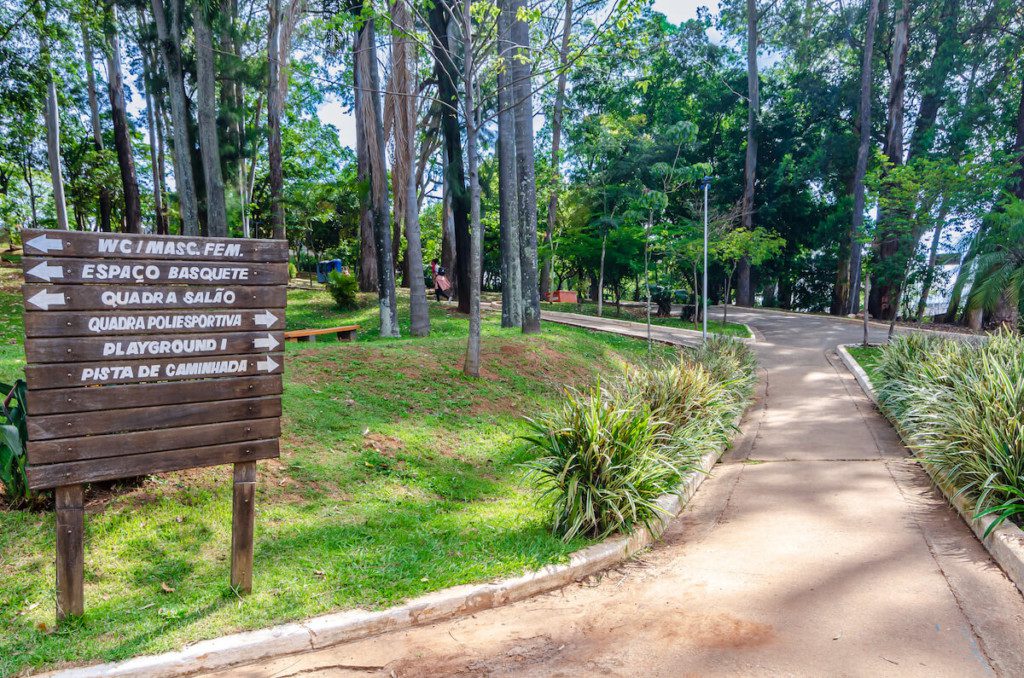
(346, 333)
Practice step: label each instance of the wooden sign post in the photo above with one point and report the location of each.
(149, 354)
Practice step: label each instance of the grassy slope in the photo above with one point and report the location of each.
(399, 476)
(867, 358)
(635, 314)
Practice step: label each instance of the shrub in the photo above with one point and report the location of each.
(343, 288)
(961, 408)
(603, 465)
(293, 271)
(13, 436)
(608, 453)
(662, 296)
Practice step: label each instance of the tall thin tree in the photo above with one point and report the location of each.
(94, 120)
(508, 184)
(744, 293)
(209, 146)
(557, 112)
(522, 68)
(122, 129)
(371, 120)
(170, 52)
(863, 149)
(404, 81)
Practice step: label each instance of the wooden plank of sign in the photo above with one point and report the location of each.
(70, 559)
(109, 323)
(70, 400)
(63, 271)
(94, 470)
(140, 442)
(41, 377)
(243, 516)
(142, 347)
(45, 242)
(130, 419)
(149, 297)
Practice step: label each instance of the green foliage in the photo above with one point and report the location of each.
(604, 464)
(663, 297)
(13, 440)
(343, 289)
(961, 409)
(608, 453)
(293, 270)
(999, 278)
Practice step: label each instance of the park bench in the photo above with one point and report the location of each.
(345, 333)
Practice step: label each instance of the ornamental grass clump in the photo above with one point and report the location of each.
(961, 409)
(608, 453)
(603, 463)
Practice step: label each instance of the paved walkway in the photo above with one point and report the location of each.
(817, 548)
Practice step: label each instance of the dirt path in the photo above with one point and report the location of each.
(817, 548)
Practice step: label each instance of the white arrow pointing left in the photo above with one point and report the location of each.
(46, 272)
(45, 300)
(268, 342)
(268, 365)
(44, 244)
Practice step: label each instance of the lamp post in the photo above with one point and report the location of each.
(705, 184)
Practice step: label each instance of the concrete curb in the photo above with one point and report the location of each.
(1005, 543)
(642, 332)
(342, 627)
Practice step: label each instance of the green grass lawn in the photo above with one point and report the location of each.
(867, 357)
(636, 314)
(398, 476)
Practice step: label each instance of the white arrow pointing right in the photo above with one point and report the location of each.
(46, 272)
(44, 244)
(45, 300)
(268, 365)
(268, 342)
(266, 318)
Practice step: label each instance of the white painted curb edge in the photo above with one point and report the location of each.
(1005, 543)
(342, 627)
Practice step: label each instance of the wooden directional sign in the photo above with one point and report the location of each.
(149, 354)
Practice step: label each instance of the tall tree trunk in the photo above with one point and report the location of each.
(522, 80)
(508, 184)
(472, 366)
(448, 255)
(170, 50)
(933, 255)
(1018, 146)
(94, 119)
(404, 70)
(229, 110)
(935, 80)
(446, 73)
(27, 169)
(600, 276)
(53, 148)
(209, 147)
(122, 131)
(863, 148)
(156, 162)
(889, 241)
(370, 114)
(274, 110)
(556, 146)
(744, 293)
(158, 114)
(367, 249)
